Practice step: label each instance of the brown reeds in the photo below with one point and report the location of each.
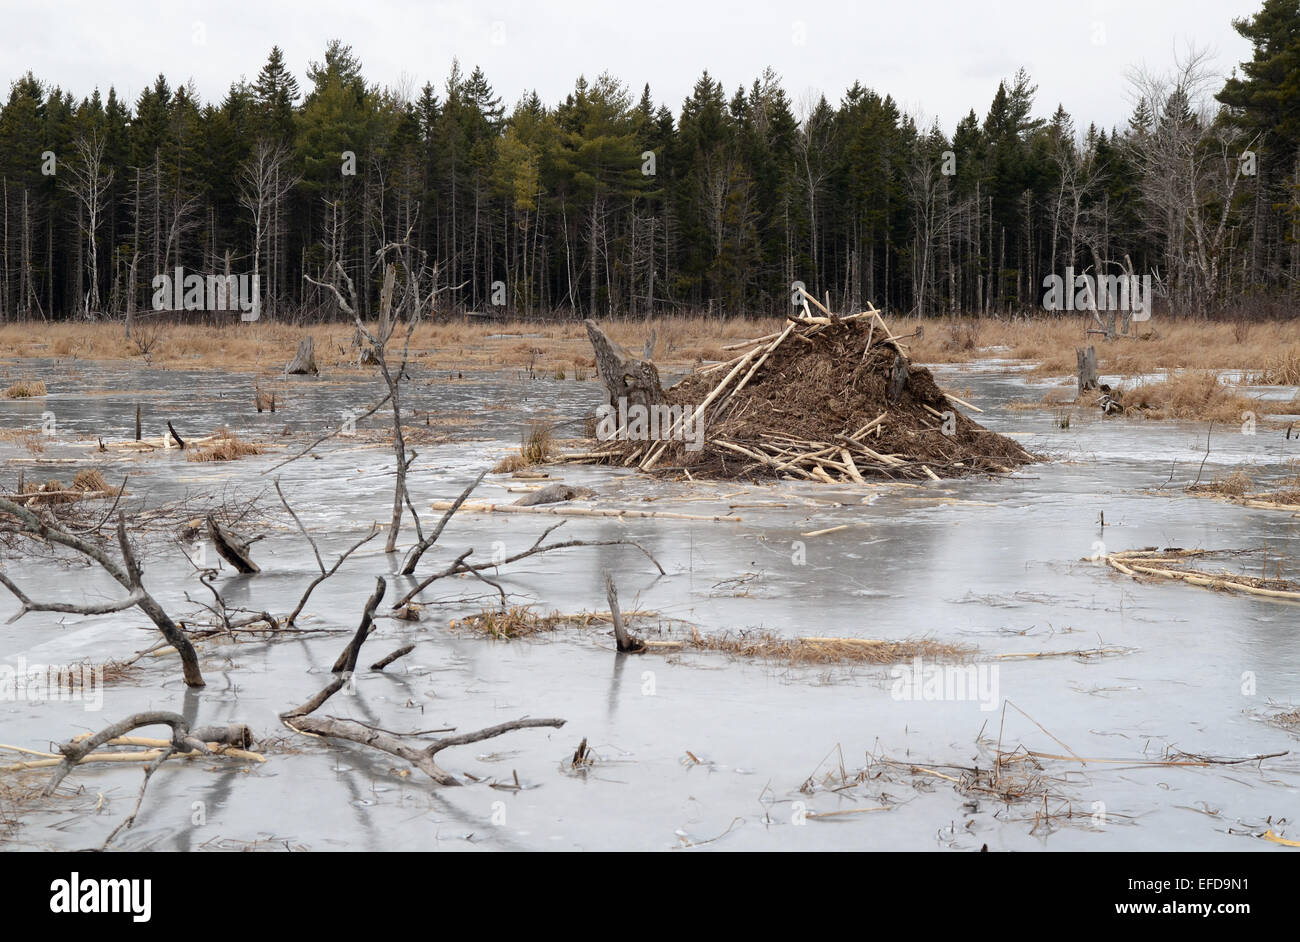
(26, 389)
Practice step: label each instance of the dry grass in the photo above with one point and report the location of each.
(26, 389)
(536, 442)
(1290, 720)
(523, 622)
(517, 622)
(1282, 370)
(438, 344)
(1196, 394)
(1236, 483)
(535, 446)
(88, 483)
(795, 651)
(1239, 486)
(89, 479)
(225, 447)
(30, 439)
(1048, 342)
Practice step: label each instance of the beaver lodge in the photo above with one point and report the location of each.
(829, 398)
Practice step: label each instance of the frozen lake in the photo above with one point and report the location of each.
(690, 747)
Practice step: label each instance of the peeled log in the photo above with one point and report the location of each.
(231, 547)
(304, 361)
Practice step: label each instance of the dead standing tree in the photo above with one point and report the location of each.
(624, 376)
(419, 288)
(127, 573)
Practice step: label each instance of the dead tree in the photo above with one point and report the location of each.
(347, 660)
(90, 182)
(419, 549)
(1087, 361)
(625, 642)
(419, 753)
(128, 574)
(459, 566)
(263, 183)
(232, 547)
(324, 573)
(624, 376)
(419, 288)
(183, 739)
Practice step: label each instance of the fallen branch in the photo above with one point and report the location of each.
(385, 661)
(418, 752)
(183, 740)
(459, 565)
(324, 573)
(128, 574)
(347, 660)
(626, 643)
(413, 556)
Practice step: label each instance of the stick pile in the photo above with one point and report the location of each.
(829, 398)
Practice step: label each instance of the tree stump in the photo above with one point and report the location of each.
(1087, 361)
(897, 377)
(365, 353)
(624, 376)
(304, 361)
(231, 547)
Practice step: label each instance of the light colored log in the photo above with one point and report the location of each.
(485, 508)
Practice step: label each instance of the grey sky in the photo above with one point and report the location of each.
(936, 58)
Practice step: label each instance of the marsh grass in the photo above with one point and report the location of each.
(524, 622)
(26, 389)
(227, 446)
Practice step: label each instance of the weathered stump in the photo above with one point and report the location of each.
(231, 547)
(897, 378)
(304, 361)
(365, 352)
(1087, 362)
(624, 376)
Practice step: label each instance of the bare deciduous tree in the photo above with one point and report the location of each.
(1189, 171)
(263, 183)
(89, 183)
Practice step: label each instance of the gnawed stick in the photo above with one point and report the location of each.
(485, 508)
(763, 359)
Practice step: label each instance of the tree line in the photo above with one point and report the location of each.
(607, 204)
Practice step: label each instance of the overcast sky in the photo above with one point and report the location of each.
(938, 59)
